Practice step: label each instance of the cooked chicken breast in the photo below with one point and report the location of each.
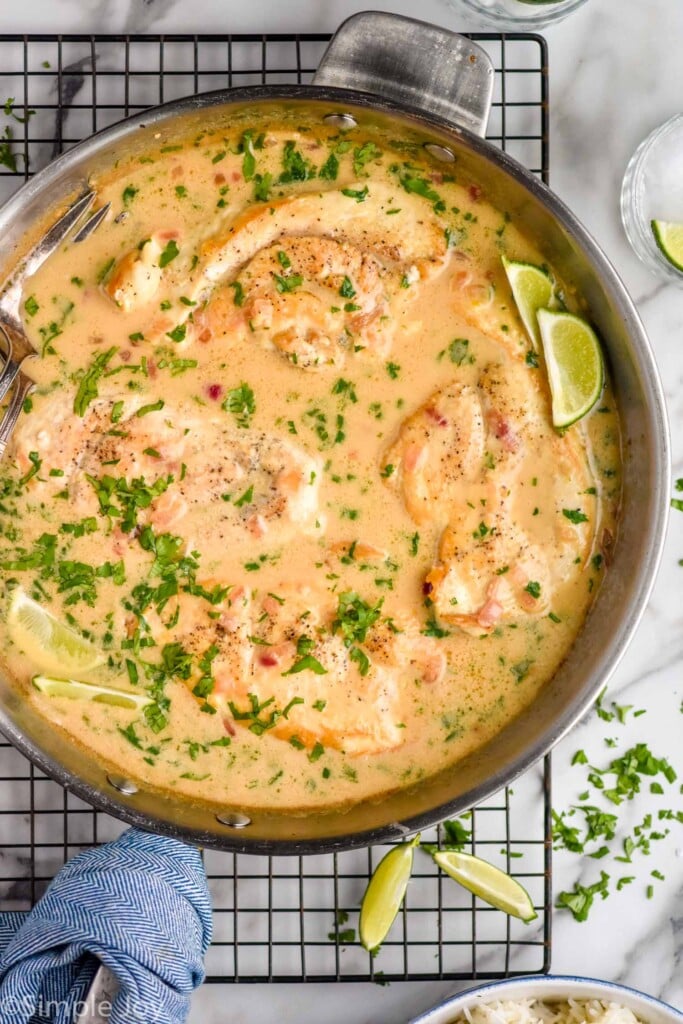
(464, 461)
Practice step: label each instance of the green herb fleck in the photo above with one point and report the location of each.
(87, 388)
(240, 403)
(169, 253)
(330, 169)
(287, 284)
(575, 515)
(360, 195)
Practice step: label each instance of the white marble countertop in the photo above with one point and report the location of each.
(615, 73)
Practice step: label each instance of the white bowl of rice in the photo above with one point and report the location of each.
(552, 1000)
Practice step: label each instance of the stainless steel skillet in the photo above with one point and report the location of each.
(437, 86)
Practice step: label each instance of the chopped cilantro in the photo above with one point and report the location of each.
(330, 169)
(169, 253)
(457, 836)
(295, 166)
(575, 515)
(105, 269)
(361, 659)
(246, 146)
(458, 351)
(119, 498)
(521, 669)
(363, 155)
(238, 297)
(36, 463)
(178, 333)
(240, 403)
(354, 618)
(360, 195)
(87, 388)
(306, 662)
(347, 291)
(420, 187)
(262, 185)
(287, 284)
(345, 388)
(151, 407)
(580, 899)
(432, 628)
(260, 722)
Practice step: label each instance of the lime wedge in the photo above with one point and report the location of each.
(51, 646)
(384, 894)
(90, 691)
(574, 363)
(669, 238)
(487, 882)
(532, 289)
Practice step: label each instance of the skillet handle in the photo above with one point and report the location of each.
(411, 63)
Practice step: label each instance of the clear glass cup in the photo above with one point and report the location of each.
(523, 15)
(652, 189)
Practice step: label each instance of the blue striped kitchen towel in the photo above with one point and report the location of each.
(139, 905)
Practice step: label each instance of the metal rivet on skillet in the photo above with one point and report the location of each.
(233, 820)
(123, 785)
(341, 120)
(440, 152)
(399, 829)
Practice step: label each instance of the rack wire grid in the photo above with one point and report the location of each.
(275, 918)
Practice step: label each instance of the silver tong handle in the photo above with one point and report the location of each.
(10, 297)
(13, 341)
(9, 421)
(10, 368)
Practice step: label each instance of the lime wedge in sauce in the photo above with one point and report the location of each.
(574, 364)
(90, 691)
(532, 289)
(50, 644)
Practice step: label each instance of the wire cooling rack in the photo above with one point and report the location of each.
(275, 918)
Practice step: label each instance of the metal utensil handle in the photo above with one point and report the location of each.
(10, 296)
(24, 387)
(98, 1002)
(8, 377)
(10, 367)
(411, 63)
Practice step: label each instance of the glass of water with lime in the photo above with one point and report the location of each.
(519, 14)
(652, 200)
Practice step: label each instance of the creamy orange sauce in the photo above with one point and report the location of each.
(291, 449)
